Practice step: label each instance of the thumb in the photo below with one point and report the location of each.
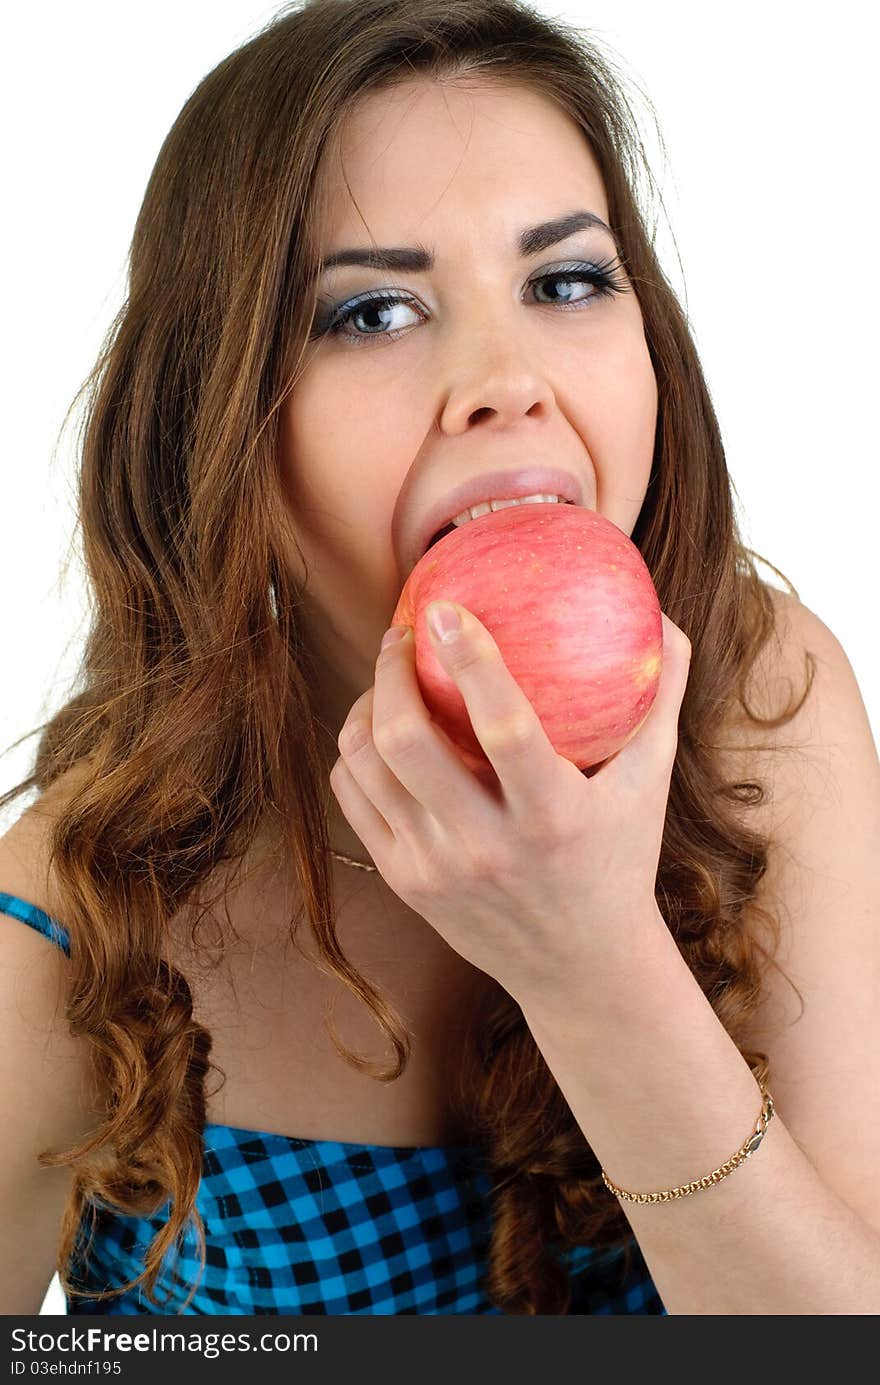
(651, 748)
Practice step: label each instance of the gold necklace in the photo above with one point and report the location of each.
(361, 865)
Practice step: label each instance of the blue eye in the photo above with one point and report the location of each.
(367, 316)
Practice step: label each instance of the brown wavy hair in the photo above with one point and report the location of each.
(193, 719)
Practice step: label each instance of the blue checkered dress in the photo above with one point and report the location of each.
(319, 1226)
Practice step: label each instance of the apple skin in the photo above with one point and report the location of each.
(569, 601)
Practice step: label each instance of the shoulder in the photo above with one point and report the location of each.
(783, 671)
(819, 807)
(24, 859)
(834, 720)
(819, 814)
(805, 651)
(44, 1069)
(804, 691)
(25, 846)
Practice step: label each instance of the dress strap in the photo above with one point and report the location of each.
(36, 918)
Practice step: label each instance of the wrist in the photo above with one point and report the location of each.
(653, 1079)
(607, 985)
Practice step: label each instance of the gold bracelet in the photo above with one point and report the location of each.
(716, 1175)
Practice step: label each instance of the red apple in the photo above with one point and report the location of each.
(570, 603)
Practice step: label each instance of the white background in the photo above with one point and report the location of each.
(770, 190)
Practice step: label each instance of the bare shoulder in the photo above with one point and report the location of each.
(820, 811)
(796, 669)
(43, 1067)
(47, 1099)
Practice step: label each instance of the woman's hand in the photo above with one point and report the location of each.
(542, 874)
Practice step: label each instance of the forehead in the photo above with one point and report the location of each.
(423, 155)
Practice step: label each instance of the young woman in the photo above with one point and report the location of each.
(392, 249)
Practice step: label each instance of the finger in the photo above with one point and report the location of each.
(368, 824)
(421, 755)
(652, 747)
(375, 778)
(504, 720)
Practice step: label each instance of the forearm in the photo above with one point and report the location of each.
(664, 1096)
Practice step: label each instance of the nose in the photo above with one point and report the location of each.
(498, 384)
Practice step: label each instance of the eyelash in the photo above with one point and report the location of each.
(599, 275)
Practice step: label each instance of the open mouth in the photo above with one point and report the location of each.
(448, 528)
(441, 534)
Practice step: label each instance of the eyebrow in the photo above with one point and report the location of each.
(416, 259)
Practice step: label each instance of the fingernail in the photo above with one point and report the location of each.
(391, 636)
(443, 621)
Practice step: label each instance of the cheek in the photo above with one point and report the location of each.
(348, 436)
(616, 415)
(623, 399)
(341, 462)
(346, 422)
(321, 458)
(642, 398)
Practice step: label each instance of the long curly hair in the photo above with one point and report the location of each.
(193, 718)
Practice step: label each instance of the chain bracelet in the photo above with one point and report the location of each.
(708, 1179)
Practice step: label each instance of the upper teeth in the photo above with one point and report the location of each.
(483, 509)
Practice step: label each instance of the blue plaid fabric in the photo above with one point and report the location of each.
(298, 1226)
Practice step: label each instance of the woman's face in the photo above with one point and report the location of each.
(488, 359)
